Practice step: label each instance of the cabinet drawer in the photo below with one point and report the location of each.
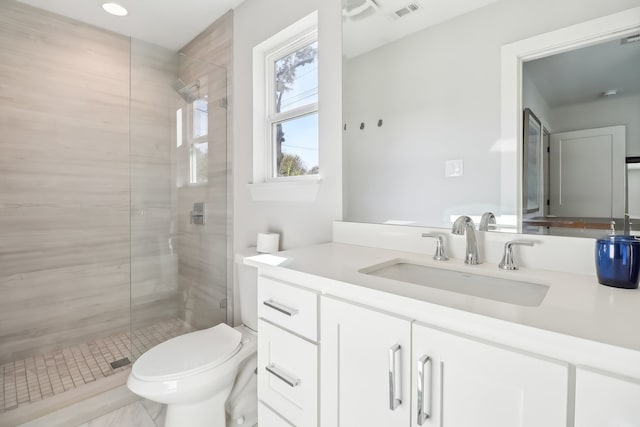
(268, 418)
(292, 308)
(288, 374)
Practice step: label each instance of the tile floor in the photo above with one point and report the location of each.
(142, 413)
(36, 378)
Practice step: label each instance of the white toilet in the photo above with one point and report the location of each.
(207, 378)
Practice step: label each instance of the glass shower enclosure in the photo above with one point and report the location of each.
(113, 204)
(178, 194)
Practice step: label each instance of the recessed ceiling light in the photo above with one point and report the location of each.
(115, 9)
(610, 92)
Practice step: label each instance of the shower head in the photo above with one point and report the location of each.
(186, 91)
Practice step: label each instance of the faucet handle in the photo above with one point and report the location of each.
(441, 254)
(508, 259)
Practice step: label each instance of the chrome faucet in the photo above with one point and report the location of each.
(464, 225)
(488, 219)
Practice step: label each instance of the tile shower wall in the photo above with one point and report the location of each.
(66, 164)
(64, 181)
(154, 256)
(205, 250)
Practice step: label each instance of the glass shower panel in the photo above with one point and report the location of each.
(201, 165)
(178, 195)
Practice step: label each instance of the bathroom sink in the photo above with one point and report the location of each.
(504, 290)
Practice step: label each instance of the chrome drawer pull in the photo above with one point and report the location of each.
(424, 401)
(272, 369)
(281, 308)
(394, 378)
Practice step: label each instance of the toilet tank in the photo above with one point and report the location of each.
(248, 293)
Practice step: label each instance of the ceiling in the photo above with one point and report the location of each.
(585, 74)
(168, 23)
(380, 25)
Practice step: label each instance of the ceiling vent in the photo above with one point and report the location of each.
(355, 10)
(411, 7)
(631, 39)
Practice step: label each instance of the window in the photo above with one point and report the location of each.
(192, 132)
(292, 113)
(192, 136)
(198, 141)
(286, 155)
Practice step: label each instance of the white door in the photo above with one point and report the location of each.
(603, 400)
(361, 383)
(468, 383)
(587, 173)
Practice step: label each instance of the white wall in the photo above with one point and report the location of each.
(438, 92)
(299, 223)
(532, 99)
(610, 111)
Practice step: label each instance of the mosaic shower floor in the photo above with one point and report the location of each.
(33, 379)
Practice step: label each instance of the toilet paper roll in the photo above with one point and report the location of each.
(267, 243)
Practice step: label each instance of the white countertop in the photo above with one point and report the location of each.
(575, 305)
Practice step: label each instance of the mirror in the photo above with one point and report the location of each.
(423, 106)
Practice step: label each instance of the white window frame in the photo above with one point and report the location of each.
(273, 117)
(264, 186)
(193, 141)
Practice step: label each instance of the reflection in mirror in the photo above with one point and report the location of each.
(532, 152)
(433, 75)
(585, 163)
(633, 191)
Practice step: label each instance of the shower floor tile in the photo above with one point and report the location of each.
(33, 379)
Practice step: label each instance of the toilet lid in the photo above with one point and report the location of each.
(188, 354)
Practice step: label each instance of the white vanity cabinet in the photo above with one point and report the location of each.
(379, 351)
(604, 400)
(365, 359)
(380, 369)
(287, 354)
(462, 382)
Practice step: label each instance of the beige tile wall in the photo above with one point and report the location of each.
(66, 164)
(154, 249)
(64, 181)
(206, 251)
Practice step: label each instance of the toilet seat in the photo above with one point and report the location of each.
(188, 354)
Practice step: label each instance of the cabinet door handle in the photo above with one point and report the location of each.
(278, 373)
(395, 399)
(424, 385)
(280, 307)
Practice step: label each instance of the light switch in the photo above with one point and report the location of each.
(453, 168)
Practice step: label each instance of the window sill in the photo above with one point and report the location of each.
(285, 191)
